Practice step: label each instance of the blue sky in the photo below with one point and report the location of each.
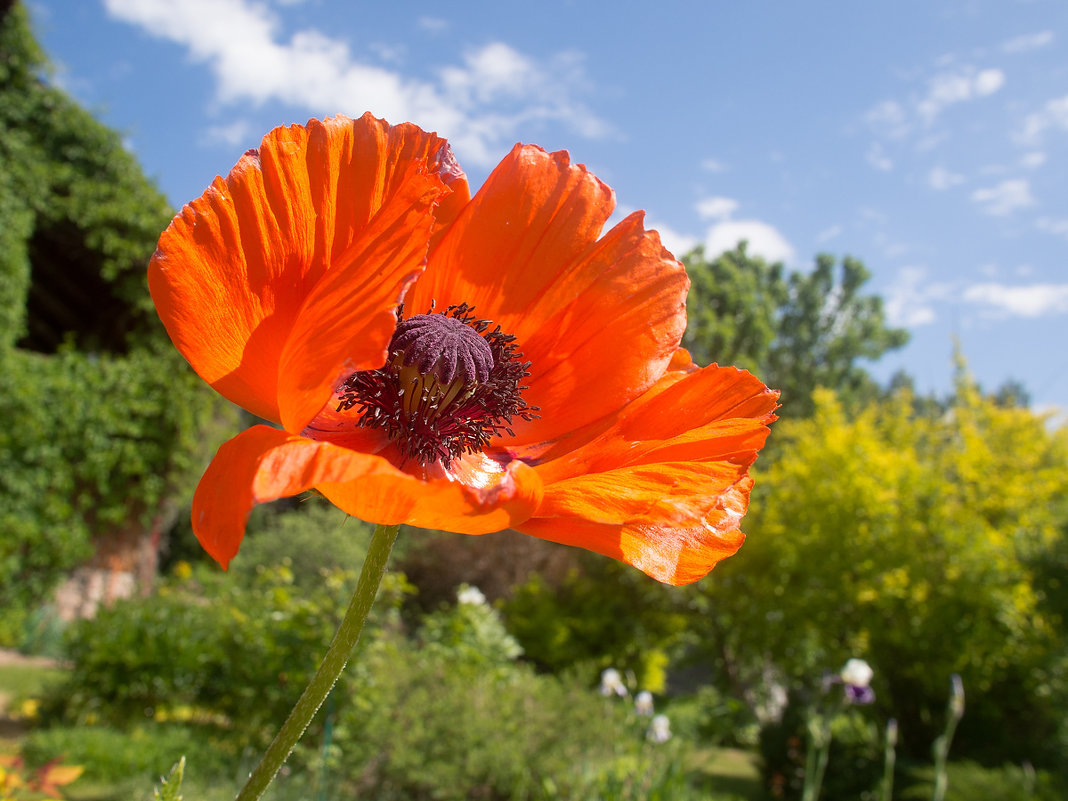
(929, 139)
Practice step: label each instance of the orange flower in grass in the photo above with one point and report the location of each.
(457, 363)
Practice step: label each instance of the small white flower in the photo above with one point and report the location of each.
(612, 683)
(857, 673)
(659, 729)
(643, 703)
(471, 595)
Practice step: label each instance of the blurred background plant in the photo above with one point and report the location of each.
(927, 535)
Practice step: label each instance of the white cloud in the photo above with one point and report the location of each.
(909, 301)
(940, 178)
(1034, 300)
(1005, 198)
(1027, 42)
(877, 158)
(716, 208)
(988, 81)
(713, 165)
(1057, 227)
(1054, 115)
(948, 88)
(481, 104)
(1035, 158)
(888, 119)
(763, 240)
(235, 134)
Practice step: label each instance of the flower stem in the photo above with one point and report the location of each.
(348, 634)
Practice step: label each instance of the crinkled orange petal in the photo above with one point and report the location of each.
(599, 320)
(348, 317)
(668, 552)
(236, 275)
(262, 464)
(664, 484)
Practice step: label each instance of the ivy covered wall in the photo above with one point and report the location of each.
(102, 423)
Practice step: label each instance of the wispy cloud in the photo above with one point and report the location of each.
(1052, 116)
(827, 234)
(947, 88)
(939, 178)
(876, 157)
(1004, 198)
(432, 24)
(1052, 225)
(910, 301)
(1034, 300)
(716, 208)
(1036, 158)
(1028, 42)
(713, 165)
(234, 134)
(481, 103)
(888, 119)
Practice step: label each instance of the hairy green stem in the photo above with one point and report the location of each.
(348, 634)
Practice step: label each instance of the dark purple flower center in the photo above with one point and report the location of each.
(449, 386)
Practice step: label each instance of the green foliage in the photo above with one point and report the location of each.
(142, 753)
(102, 420)
(969, 781)
(308, 539)
(89, 445)
(907, 540)
(240, 660)
(435, 723)
(797, 332)
(443, 712)
(607, 615)
(713, 718)
(472, 630)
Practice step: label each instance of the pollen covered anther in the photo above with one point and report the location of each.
(449, 386)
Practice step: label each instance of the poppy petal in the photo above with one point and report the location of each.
(348, 317)
(238, 267)
(598, 320)
(667, 479)
(671, 553)
(690, 413)
(262, 464)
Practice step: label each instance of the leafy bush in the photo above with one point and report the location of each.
(111, 755)
(307, 539)
(440, 723)
(968, 781)
(206, 649)
(710, 718)
(880, 535)
(606, 615)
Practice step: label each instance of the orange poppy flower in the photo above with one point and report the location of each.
(453, 362)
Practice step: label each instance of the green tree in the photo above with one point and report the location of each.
(101, 421)
(911, 541)
(797, 332)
